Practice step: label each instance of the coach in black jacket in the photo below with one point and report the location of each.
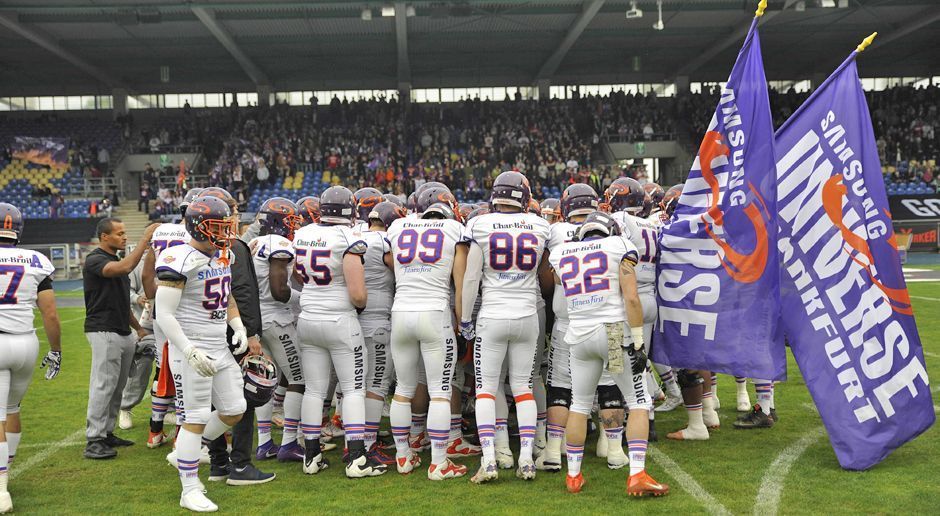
(237, 469)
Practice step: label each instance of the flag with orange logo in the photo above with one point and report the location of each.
(845, 305)
(717, 276)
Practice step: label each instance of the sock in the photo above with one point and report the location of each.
(4, 454)
(13, 442)
(418, 424)
(486, 425)
(741, 384)
(311, 418)
(456, 427)
(526, 413)
(637, 451)
(575, 454)
(502, 433)
(438, 429)
(214, 428)
(354, 416)
(765, 395)
(280, 394)
(399, 415)
(695, 415)
(541, 400)
(614, 435)
(158, 409)
(555, 435)
(708, 400)
(714, 388)
(263, 413)
(668, 376)
(187, 459)
(293, 403)
(373, 419)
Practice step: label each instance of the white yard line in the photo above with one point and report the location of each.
(43, 445)
(771, 486)
(686, 482)
(926, 298)
(22, 467)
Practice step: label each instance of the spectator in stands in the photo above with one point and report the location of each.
(143, 201)
(55, 205)
(104, 159)
(105, 208)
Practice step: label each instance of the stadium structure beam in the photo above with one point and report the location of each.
(225, 39)
(717, 47)
(550, 66)
(12, 23)
(401, 43)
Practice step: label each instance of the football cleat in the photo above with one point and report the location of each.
(446, 470)
(670, 404)
(548, 462)
(538, 448)
(616, 458)
(375, 453)
(642, 484)
(292, 452)
(266, 451)
(526, 470)
(6, 502)
(196, 501)
(420, 442)
(461, 448)
(710, 418)
(504, 458)
(488, 472)
(744, 402)
(574, 483)
(364, 466)
(332, 430)
(689, 434)
(773, 415)
(125, 420)
(754, 419)
(406, 465)
(325, 447)
(315, 465)
(156, 440)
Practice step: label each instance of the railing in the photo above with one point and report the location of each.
(655, 137)
(164, 149)
(66, 258)
(101, 187)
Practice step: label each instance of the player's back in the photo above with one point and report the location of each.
(380, 280)
(561, 233)
(590, 280)
(423, 252)
(168, 235)
(21, 272)
(319, 251)
(644, 235)
(202, 311)
(512, 245)
(267, 248)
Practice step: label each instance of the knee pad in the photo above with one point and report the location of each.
(238, 408)
(582, 404)
(198, 416)
(687, 379)
(558, 397)
(609, 397)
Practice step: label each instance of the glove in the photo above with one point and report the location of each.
(239, 336)
(467, 330)
(53, 359)
(637, 360)
(199, 361)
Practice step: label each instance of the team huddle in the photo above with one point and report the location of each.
(439, 307)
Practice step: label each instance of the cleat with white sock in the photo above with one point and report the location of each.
(671, 403)
(616, 458)
(539, 446)
(461, 448)
(488, 472)
(325, 447)
(710, 418)
(364, 466)
(125, 420)
(602, 444)
(6, 503)
(526, 470)
(548, 462)
(420, 442)
(504, 458)
(156, 440)
(406, 465)
(744, 401)
(196, 501)
(315, 465)
(446, 470)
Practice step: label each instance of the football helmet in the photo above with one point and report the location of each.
(598, 221)
(535, 207)
(190, 196)
(624, 194)
(436, 194)
(279, 216)
(337, 206)
(207, 220)
(394, 199)
(221, 193)
(551, 210)
(387, 212)
(12, 222)
(511, 188)
(309, 208)
(655, 192)
(439, 210)
(411, 201)
(578, 199)
(261, 378)
(482, 210)
(466, 209)
(429, 184)
(366, 199)
(670, 201)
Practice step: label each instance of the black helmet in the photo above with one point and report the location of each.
(671, 201)
(654, 196)
(279, 216)
(309, 208)
(511, 189)
(387, 212)
(598, 221)
(206, 220)
(221, 193)
(190, 196)
(625, 194)
(551, 210)
(366, 199)
(12, 222)
(439, 210)
(261, 378)
(578, 199)
(337, 206)
(436, 194)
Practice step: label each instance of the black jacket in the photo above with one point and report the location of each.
(245, 288)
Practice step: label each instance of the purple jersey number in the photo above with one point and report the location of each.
(589, 282)
(319, 273)
(506, 251)
(649, 238)
(16, 276)
(431, 243)
(162, 245)
(217, 292)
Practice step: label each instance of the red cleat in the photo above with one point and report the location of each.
(642, 484)
(574, 484)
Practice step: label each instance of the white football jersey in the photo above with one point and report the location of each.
(21, 272)
(203, 309)
(319, 251)
(423, 252)
(512, 245)
(645, 237)
(380, 280)
(267, 248)
(169, 235)
(590, 280)
(561, 233)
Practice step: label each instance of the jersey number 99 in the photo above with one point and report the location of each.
(431, 243)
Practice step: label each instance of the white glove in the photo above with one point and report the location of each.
(199, 361)
(239, 335)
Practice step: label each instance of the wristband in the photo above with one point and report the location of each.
(637, 334)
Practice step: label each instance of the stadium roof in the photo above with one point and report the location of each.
(57, 47)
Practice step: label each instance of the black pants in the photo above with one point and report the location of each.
(243, 434)
(143, 205)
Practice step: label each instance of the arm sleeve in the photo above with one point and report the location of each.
(168, 300)
(245, 288)
(471, 282)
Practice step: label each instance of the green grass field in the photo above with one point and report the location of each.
(725, 474)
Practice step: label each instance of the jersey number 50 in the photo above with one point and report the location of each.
(217, 291)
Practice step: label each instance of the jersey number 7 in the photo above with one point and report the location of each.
(16, 276)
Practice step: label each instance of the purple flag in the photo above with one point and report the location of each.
(846, 310)
(718, 273)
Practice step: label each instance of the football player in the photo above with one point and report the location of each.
(763, 414)
(506, 246)
(366, 199)
(273, 257)
(423, 253)
(551, 210)
(328, 258)
(194, 307)
(596, 273)
(26, 279)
